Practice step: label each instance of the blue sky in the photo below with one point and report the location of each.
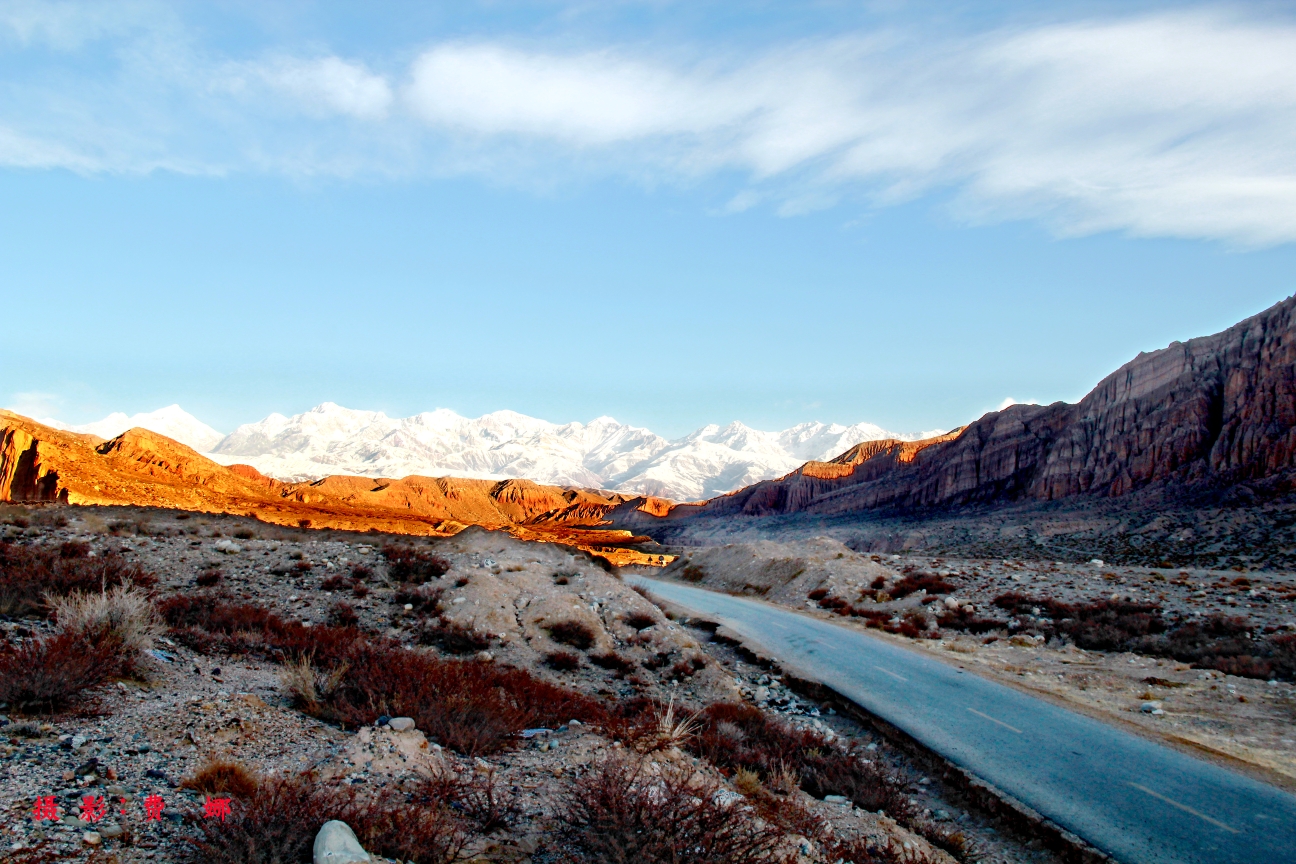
(673, 213)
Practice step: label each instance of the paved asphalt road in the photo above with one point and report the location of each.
(1135, 800)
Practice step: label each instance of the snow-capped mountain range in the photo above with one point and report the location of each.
(601, 454)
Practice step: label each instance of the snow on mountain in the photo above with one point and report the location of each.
(172, 421)
(603, 453)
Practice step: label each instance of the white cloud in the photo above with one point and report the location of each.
(1174, 124)
(329, 85)
(1008, 402)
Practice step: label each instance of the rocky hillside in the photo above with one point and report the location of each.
(138, 467)
(1207, 413)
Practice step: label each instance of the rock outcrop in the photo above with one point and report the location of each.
(39, 463)
(1210, 412)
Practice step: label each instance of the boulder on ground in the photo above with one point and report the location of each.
(336, 843)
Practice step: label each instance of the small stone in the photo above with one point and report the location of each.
(401, 724)
(485, 656)
(836, 799)
(336, 843)
(91, 838)
(111, 832)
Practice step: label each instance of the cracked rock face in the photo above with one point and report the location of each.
(1212, 412)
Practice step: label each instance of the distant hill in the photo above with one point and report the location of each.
(39, 463)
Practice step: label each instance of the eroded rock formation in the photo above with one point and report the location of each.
(39, 463)
(1212, 411)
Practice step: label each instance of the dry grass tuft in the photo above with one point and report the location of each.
(224, 777)
(563, 661)
(123, 612)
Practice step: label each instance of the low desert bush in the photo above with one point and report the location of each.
(575, 633)
(914, 582)
(639, 620)
(223, 777)
(631, 810)
(50, 673)
(736, 736)
(278, 821)
(474, 708)
(336, 582)
(214, 622)
(425, 599)
(613, 662)
(29, 574)
(452, 636)
(343, 614)
(563, 661)
(412, 564)
(1214, 642)
(362, 572)
(209, 577)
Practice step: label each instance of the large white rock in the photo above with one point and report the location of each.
(336, 843)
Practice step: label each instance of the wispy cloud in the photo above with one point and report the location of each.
(1180, 125)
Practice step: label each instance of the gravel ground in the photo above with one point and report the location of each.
(138, 738)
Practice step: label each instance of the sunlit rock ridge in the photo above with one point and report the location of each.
(602, 454)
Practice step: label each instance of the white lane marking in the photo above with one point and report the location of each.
(1184, 807)
(993, 720)
(892, 674)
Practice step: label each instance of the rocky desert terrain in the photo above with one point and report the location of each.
(474, 697)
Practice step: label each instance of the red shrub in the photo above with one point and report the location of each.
(50, 673)
(563, 661)
(620, 812)
(577, 634)
(29, 572)
(914, 582)
(736, 736)
(453, 637)
(412, 564)
(472, 707)
(406, 826)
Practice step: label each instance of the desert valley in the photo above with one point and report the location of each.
(482, 669)
(647, 432)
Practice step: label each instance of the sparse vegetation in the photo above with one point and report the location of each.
(639, 620)
(563, 661)
(630, 810)
(413, 564)
(575, 633)
(418, 826)
(452, 636)
(1214, 642)
(738, 736)
(31, 573)
(223, 777)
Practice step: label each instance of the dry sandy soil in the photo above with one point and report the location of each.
(133, 738)
(1241, 721)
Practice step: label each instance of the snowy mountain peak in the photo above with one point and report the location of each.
(603, 453)
(171, 421)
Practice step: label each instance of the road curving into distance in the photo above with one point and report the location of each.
(1136, 800)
